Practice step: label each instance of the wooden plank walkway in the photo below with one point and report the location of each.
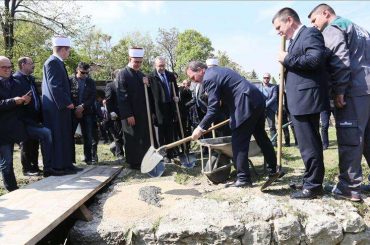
(29, 214)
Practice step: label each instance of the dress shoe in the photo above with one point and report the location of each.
(53, 172)
(239, 184)
(74, 168)
(347, 195)
(296, 186)
(31, 173)
(307, 194)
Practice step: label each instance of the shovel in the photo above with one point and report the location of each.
(186, 160)
(154, 157)
(159, 168)
(279, 127)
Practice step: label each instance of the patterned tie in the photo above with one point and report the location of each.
(290, 44)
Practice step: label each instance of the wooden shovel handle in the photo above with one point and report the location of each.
(187, 139)
(280, 108)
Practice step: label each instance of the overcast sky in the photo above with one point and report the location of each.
(241, 28)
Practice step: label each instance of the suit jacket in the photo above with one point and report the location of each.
(12, 128)
(88, 96)
(272, 96)
(31, 115)
(199, 99)
(238, 94)
(56, 92)
(159, 97)
(306, 77)
(111, 97)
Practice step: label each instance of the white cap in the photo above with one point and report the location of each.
(136, 52)
(61, 41)
(212, 62)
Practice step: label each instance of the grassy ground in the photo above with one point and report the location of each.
(292, 163)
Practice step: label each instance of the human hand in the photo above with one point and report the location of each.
(131, 121)
(26, 98)
(196, 133)
(176, 99)
(71, 106)
(339, 101)
(146, 81)
(18, 100)
(281, 56)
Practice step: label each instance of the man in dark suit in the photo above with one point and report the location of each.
(57, 105)
(161, 82)
(112, 109)
(270, 93)
(306, 95)
(13, 98)
(83, 91)
(35, 129)
(246, 106)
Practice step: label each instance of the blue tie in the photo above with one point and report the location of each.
(167, 92)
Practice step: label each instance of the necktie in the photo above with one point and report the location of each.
(167, 88)
(34, 95)
(290, 44)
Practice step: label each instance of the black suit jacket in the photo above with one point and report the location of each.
(12, 127)
(240, 96)
(306, 77)
(111, 97)
(88, 97)
(159, 98)
(31, 115)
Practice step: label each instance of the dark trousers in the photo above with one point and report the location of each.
(30, 155)
(309, 142)
(6, 167)
(270, 117)
(241, 137)
(325, 119)
(166, 128)
(116, 130)
(353, 135)
(43, 135)
(286, 129)
(87, 123)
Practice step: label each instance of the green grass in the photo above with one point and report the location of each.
(291, 160)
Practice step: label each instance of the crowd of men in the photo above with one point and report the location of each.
(329, 60)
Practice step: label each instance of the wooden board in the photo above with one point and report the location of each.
(30, 213)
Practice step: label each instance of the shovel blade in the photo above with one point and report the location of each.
(151, 159)
(187, 160)
(158, 170)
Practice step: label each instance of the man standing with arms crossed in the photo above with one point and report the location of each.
(349, 68)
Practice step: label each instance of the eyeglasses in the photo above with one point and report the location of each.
(266, 78)
(6, 67)
(84, 72)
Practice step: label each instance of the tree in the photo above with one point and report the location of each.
(225, 60)
(53, 16)
(167, 42)
(253, 75)
(191, 46)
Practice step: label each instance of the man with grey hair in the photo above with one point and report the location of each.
(306, 94)
(349, 68)
(161, 81)
(13, 98)
(246, 106)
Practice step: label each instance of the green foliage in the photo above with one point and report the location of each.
(167, 41)
(191, 46)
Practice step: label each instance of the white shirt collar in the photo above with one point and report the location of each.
(56, 55)
(296, 31)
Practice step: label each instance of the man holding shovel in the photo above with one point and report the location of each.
(246, 107)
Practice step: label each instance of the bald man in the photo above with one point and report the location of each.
(12, 130)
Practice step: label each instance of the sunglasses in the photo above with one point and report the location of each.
(84, 72)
